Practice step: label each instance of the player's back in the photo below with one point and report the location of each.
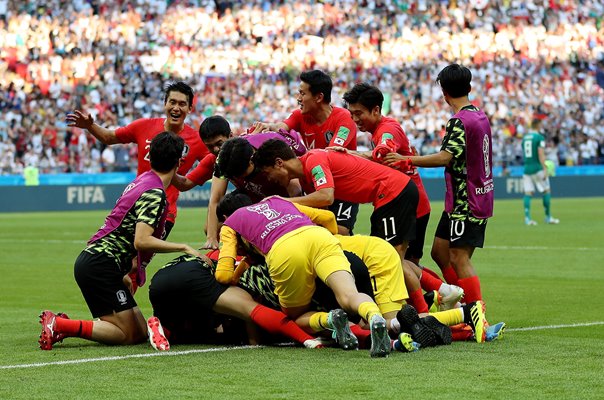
(530, 151)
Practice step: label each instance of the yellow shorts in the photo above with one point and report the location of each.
(298, 258)
(384, 266)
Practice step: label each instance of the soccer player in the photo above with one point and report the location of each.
(178, 103)
(133, 228)
(321, 125)
(466, 154)
(186, 298)
(535, 173)
(296, 252)
(364, 102)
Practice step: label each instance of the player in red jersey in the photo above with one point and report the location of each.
(321, 125)
(178, 103)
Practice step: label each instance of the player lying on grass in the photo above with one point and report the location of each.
(133, 228)
(296, 252)
(190, 304)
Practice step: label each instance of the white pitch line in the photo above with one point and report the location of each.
(143, 355)
(538, 328)
(211, 350)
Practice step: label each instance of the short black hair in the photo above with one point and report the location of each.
(234, 157)
(165, 150)
(232, 202)
(180, 87)
(365, 94)
(455, 80)
(213, 127)
(269, 151)
(318, 82)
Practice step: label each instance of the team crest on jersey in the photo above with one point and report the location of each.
(341, 136)
(185, 151)
(318, 176)
(264, 209)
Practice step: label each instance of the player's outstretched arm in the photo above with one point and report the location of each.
(320, 198)
(217, 192)
(145, 241)
(83, 120)
(268, 127)
(182, 183)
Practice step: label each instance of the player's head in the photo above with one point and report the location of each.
(315, 90)
(455, 81)
(214, 131)
(364, 101)
(536, 124)
(230, 203)
(235, 158)
(165, 151)
(270, 158)
(178, 102)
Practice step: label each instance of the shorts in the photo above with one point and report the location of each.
(460, 233)
(101, 282)
(416, 246)
(345, 212)
(183, 296)
(395, 221)
(385, 270)
(167, 229)
(298, 258)
(535, 182)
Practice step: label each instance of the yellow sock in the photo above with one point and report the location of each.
(367, 310)
(449, 317)
(318, 321)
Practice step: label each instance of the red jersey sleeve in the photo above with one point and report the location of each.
(203, 171)
(317, 170)
(294, 121)
(128, 133)
(345, 134)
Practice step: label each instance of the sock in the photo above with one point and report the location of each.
(416, 299)
(276, 322)
(449, 317)
(547, 197)
(363, 335)
(395, 326)
(428, 270)
(450, 275)
(462, 332)
(319, 321)
(74, 327)
(429, 282)
(368, 309)
(527, 206)
(471, 288)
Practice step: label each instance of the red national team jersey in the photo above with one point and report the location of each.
(203, 171)
(337, 130)
(142, 131)
(389, 128)
(353, 178)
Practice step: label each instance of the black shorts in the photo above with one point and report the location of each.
(183, 296)
(345, 212)
(416, 246)
(460, 233)
(101, 282)
(395, 221)
(167, 229)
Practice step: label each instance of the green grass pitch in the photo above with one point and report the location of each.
(546, 282)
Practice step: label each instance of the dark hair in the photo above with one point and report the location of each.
(455, 80)
(365, 94)
(234, 157)
(213, 127)
(165, 150)
(269, 151)
(232, 202)
(180, 87)
(319, 82)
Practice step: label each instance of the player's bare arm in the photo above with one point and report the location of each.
(145, 241)
(217, 192)
(541, 154)
(83, 120)
(294, 188)
(182, 183)
(320, 198)
(440, 159)
(260, 127)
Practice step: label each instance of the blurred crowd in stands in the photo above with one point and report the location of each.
(536, 58)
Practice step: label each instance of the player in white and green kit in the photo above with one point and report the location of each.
(536, 174)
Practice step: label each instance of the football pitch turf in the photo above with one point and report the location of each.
(546, 282)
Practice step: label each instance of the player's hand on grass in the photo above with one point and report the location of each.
(80, 119)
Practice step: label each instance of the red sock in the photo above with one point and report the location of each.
(363, 335)
(461, 332)
(471, 288)
(276, 322)
(416, 299)
(74, 327)
(429, 282)
(450, 275)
